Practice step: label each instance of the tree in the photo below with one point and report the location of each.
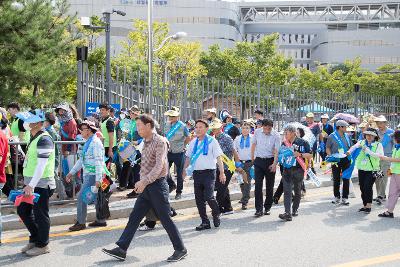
(249, 62)
(37, 44)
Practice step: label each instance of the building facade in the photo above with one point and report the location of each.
(310, 32)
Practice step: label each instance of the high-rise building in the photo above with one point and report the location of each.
(310, 32)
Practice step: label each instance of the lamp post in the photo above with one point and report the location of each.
(107, 26)
(356, 90)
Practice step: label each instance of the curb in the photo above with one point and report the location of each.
(65, 218)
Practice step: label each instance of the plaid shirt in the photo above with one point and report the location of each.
(154, 163)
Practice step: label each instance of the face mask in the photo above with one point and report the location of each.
(26, 126)
(122, 116)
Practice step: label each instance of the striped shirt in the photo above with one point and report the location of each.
(154, 159)
(93, 159)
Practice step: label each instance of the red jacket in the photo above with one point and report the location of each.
(3, 155)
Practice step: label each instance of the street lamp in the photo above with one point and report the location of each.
(85, 21)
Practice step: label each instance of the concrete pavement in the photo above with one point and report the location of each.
(322, 235)
(120, 206)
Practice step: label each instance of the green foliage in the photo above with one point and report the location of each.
(36, 47)
(250, 62)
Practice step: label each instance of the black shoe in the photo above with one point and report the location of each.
(367, 210)
(178, 196)
(203, 226)
(97, 224)
(244, 206)
(379, 200)
(121, 188)
(386, 214)
(178, 255)
(172, 188)
(117, 253)
(276, 200)
(216, 221)
(285, 216)
(258, 214)
(362, 209)
(267, 212)
(132, 194)
(240, 202)
(173, 212)
(295, 213)
(77, 227)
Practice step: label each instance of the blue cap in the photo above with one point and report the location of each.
(34, 116)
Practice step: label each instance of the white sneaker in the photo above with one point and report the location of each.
(27, 247)
(145, 228)
(352, 195)
(336, 200)
(36, 251)
(345, 202)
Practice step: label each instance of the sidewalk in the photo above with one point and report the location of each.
(121, 206)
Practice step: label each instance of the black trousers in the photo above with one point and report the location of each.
(366, 182)
(337, 170)
(204, 183)
(292, 180)
(126, 174)
(154, 196)
(223, 196)
(179, 160)
(36, 217)
(261, 169)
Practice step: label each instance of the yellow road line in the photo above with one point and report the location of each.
(371, 261)
(119, 227)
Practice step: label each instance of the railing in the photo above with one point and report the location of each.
(60, 168)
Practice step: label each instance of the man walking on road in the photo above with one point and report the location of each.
(178, 136)
(153, 192)
(38, 178)
(230, 154)
(264, 154)
(387, 143)
(202, 157)
(293, 175)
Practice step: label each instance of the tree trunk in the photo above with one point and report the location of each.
(35, 90)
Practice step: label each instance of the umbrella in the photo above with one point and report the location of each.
(308, 135)
(346, 117)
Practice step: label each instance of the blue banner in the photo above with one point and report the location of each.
(93, 107)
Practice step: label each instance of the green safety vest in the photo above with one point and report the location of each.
(395, 166)
(363, 161)
(32, 160)
(104, 131)
(14, 127)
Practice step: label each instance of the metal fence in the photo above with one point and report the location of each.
(18, 173)
(281, 103)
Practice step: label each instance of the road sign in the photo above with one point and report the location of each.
(93, 107)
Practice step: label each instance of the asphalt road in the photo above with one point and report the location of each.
(322, 235)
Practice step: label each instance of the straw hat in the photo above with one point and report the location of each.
(173, 112)
(212, 110)
(216, 124)
(380, 118)
(310, 115)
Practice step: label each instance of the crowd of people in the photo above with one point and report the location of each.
(211, 150)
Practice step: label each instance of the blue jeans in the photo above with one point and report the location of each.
(88, 181)
(1, 223)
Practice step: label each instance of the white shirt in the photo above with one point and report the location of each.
(205, 162)
(266, 143)
(244, 153)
